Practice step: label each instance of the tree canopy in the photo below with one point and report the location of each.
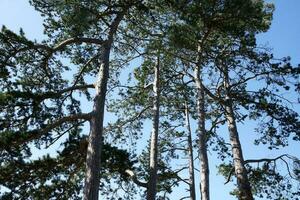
(137, 97)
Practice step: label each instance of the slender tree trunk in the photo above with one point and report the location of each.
(93, 159)
(190, 152)
(151, 192)
(238, 159)
(204, 173)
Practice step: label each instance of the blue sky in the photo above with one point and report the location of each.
(283, 38)
(284, 35)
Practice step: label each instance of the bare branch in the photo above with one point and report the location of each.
(281, 157)
(137, 116)
(74, 40)
(268, 160)
(184, 198)
(134, 178)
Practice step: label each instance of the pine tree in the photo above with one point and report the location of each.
(200, 64)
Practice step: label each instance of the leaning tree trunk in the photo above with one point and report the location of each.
(93, 159)
(204, 173)
(190, 152)
(244, 186)
(151, 191)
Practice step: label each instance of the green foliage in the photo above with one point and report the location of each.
(267, 180)
(62, 175)
(217, 35)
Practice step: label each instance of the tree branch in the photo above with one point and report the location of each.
(37, 133)
(134, 178)
(229, 176)
(268, 160)
(74, 40)
(281, 157)
(46, 95)
(137, 116)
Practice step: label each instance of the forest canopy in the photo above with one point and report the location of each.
(147, 100)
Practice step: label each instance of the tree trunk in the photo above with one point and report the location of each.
(191, 156)
(151, 191)
(204, 173)
(238, 159)
(93, 159)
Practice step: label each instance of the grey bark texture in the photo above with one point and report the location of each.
(190, 154)
(151, 190)
(93, 159)
(204, 171)
(204, 165)
(244, 186)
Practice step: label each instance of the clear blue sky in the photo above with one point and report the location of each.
(283, 37)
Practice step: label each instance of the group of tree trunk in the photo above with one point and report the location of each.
(192, 67)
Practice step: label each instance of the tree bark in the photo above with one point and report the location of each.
(93, 159)
(190, 154)
(244, 186)
(204, 173)
(204, 165)
(151, 191)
